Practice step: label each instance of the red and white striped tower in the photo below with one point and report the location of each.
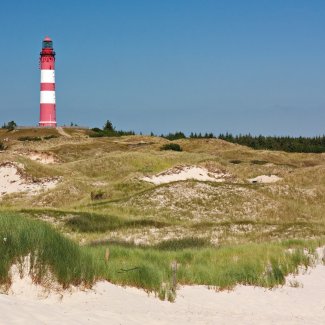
(47, 100)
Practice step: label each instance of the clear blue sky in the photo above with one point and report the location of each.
(164, 65)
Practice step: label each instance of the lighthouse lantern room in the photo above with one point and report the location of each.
(47, 98)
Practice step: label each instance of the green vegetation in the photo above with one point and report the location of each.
(144, 267)
(171, 146)
(109, 131)
(2, 146)
(10, 126)
(264, 265)
(288, 144)
(258, 162)
(217, 233)
(98, 195)
(30, 139)
(202, 136)
(174, 136)
(87, 222)
(49, 251)
(48, 137)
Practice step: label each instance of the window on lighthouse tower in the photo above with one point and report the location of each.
(47, 44)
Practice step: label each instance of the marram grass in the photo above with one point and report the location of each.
(48, 250)
(251, 264)
(149, 268)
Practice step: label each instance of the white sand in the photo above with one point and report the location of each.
(183, 173)
(265, 179)
(62, 132)
(110, 304)
(13, 181)
(42, 157)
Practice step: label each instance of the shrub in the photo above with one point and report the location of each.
(236, 161)
(48, 137)
(184, 243)
(109, 131)
(171, 146)
(10, 125)
(96, 135)
(97, 195)
(30, 139)
(96, 129)
(48, 251)
(2, 146)
(174, 136)
(259, 162)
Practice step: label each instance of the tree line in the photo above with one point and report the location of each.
(281, 143)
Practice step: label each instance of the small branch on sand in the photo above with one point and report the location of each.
(127, 270)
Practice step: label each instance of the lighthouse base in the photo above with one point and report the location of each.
(47, 123)
(47, 115)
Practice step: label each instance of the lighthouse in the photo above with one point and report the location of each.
(47, 98)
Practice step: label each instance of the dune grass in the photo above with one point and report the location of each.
(149, 268)
(219, 234)
(224, 267)
(90, 222)
(48, 251)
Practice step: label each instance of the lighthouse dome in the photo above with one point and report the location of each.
(47, 43)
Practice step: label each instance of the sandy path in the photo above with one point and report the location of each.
(110, 304)
(62, 132)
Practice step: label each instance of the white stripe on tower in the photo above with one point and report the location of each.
(48, 76)
(47, 97)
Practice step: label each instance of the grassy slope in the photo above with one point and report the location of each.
(48, 251)
(144, 267)
(137, 212)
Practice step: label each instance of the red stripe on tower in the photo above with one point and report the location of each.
(47, 98)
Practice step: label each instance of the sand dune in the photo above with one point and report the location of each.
(111, 304)
(13, 180)
(265, 179)
(182, 173)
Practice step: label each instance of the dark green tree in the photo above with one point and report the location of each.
(10, 125)
(108, 126)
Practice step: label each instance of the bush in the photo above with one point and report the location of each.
(171, 146)
(48, 251)
(96, 129)
(236, 161)
(174, 136)
(48, 137)
(2, 146)
(183, 243)
(259, 162)
(98, 195)
(30, 139)
(109, 131)
(10, 125)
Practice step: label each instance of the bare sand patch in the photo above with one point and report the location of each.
(42, 157)
(264, 179)
(62, 132)
(183, 173)
(13, 179)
